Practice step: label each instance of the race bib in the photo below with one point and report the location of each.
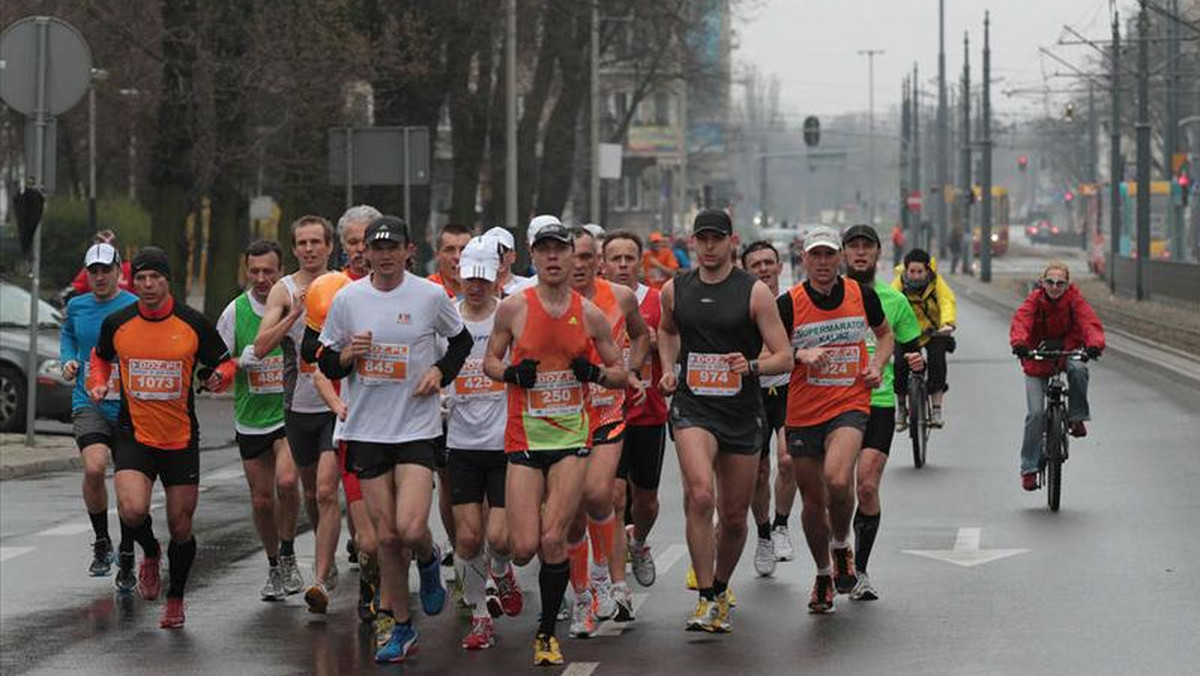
(155, 379)
(556, 393)
(307, 369)
(384, 364)
(601, 397)
(472, 383)
(709, 375)
(266, 377)
(841, 368)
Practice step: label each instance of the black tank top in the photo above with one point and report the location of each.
(715, 319)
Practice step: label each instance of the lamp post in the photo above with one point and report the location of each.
(98, 75)
(871, 54)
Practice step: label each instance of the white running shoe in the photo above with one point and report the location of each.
(863, 589)
(643, 565)
(583, 618)
(273, 589)
(782, 540)
(293, 581)
(602, 587)
(764, 557)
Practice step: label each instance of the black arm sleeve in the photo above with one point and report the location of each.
(874, 308)
(211, 349)
(330, 363)
(786, 313)
(456, 353)
(910, 346)
(311, 346)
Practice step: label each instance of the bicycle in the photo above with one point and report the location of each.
(920, 408)
(1056, 437)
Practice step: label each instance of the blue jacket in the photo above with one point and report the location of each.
(80, 331)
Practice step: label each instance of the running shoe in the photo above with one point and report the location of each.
(293, 582)
(317, 598)
(764, 557)
(623, 599)
(602, 590)
(583, 619)
(352, 554)
(448, 557)
(1030, 481)
(706, 617)
(383, 628)
(690, 580)
(331, 578)
(901, 418)
(731, 597)
(844, 575)
(821, 601)
(724, 625)
(1077, 429)
(935, 417)
(782, 540)
(366, 599)
(643, 565)
(482, 634)
(401, 644)
(149, 578)
(172, 617)
(629, 543)
(102, 558)
(546, 652)
(273, 589)
(864, 590)
(126, 580)
(508, 592)
(433, 594)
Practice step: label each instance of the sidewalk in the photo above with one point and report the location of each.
(1161, 337)
(53, 453)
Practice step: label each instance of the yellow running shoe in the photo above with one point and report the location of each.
(546, 652)
(724, 603)
(690, 581)
(705, 618)
(731, 599)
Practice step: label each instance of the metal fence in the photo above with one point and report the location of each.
(1162, 280)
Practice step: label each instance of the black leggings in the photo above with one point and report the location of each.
(935, 357)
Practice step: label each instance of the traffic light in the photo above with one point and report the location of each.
(1068, 197)
(1185, 184)
(1069, 112)
(1023, 162)
(812, 131)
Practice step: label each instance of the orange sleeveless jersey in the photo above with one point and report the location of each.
(820, 394)
(552, 414)
(607, 406)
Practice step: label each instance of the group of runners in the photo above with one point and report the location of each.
(539, 407)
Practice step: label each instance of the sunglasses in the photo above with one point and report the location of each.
(1055, 282)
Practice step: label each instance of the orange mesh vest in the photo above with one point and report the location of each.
(818, 394)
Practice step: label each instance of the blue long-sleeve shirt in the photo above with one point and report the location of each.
(80, 331)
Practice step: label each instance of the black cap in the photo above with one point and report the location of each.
(150, 258)
(712, 219)
(388, 228)
(555, 231)
(860, 230)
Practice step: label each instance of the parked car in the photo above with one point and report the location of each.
(53, 393)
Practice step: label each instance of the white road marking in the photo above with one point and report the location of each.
(668, 557)
(966, 551)
(7, 553)
(580, 669)
(67, 529)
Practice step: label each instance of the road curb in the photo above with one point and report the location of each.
(23, 470)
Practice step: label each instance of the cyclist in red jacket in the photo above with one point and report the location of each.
(1055, 312)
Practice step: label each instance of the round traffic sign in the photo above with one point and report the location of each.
(68, 65)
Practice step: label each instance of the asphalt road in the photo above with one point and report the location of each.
(1105, 586)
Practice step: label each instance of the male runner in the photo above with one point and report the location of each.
(258, 413)
(450, 242)
(94, 422)
(606, 594)
(715, 321)
(308, 422)
(645, 421)
(508, 281)
(552, 332)
(475, 438)
(381, 337)
(862, 247)
(829, 402)
(159, 344)
(774, 544)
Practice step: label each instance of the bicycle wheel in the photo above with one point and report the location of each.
(1055, 438)
(918, 420)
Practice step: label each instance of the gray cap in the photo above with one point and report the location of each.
(822, 236)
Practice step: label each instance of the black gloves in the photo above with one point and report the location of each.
(585, 371)
(523, 374)
(1021, 351)
(1092, 352)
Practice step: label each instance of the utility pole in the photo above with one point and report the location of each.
(965, 173)
(1143, 148)
(905, 133)
(920, 238)
(942, 141)
(1171, 132)
(871, 54)
(1093, 158)
(594, 201)
(510, 119)
(985, 236)
(1115, 170)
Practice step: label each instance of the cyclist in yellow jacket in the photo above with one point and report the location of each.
(933, 302)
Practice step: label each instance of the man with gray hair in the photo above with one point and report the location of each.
(350, 229)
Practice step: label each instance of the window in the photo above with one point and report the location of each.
(662, 109)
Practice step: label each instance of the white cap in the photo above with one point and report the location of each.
(595, 231)
(104, 254)
(822, 236)
(538, 223)
(479, 259)
(502, 237)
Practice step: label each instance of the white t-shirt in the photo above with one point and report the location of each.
(304, 397)
(478, 404)
(517, 282)
(405, 324)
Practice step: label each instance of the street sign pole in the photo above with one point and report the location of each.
(40, 122)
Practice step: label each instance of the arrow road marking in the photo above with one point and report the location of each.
(7, 553)
(966, 551)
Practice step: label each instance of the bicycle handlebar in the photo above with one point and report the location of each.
(1045, 355)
